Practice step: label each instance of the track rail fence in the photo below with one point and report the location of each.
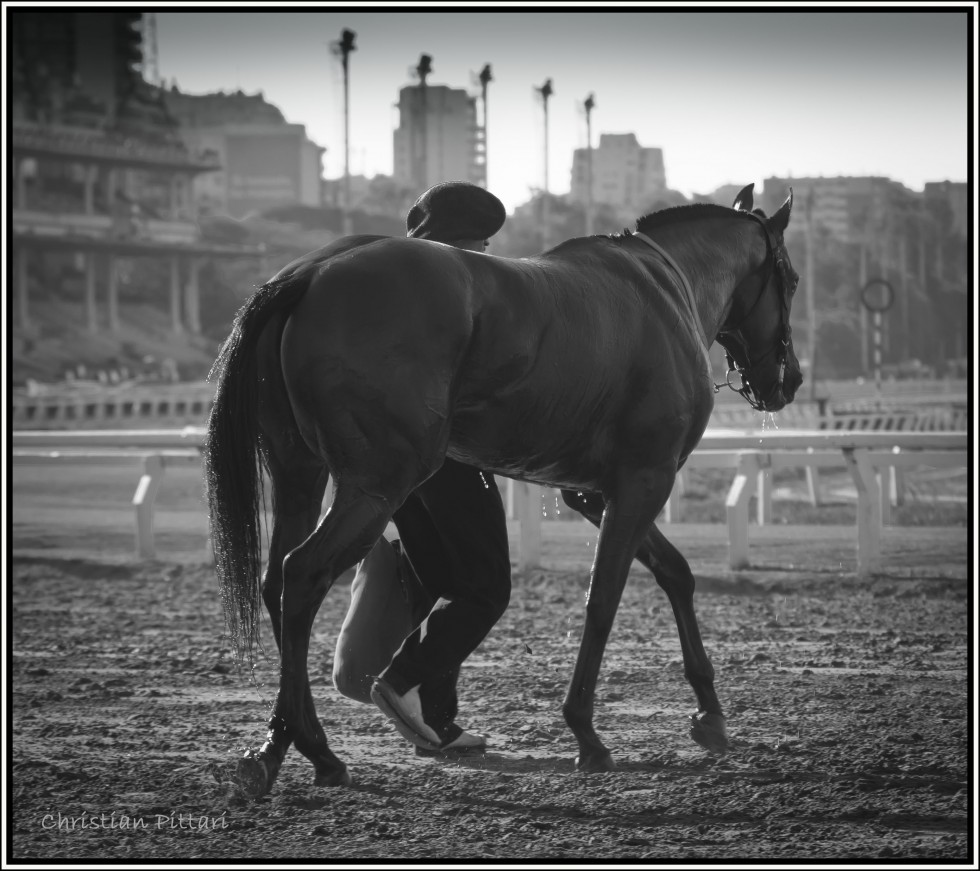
(907, 406)
(875, 461)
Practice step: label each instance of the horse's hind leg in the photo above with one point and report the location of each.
(297, 493)
(297, 496)
(344, 535)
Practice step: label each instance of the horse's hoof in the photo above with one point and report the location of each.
(252, 775)
(708, 730)
(333, 778)
(595, 763)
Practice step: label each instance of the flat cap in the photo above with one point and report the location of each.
(455, 210)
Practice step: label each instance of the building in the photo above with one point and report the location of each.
(625, 175)
(99, 178)
(956, 196)
(848, 207)
(265, 162)
(438, 137)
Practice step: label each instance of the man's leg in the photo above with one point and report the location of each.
(438, 695)
(377, 620)
(473, 588)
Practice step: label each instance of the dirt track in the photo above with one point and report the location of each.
(847, 703)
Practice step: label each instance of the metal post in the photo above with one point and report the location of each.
(811, 295)
(346, 47)
(862, 280)
(23, 290)
(175, 321)
(589, 106)
(113, 294)
(546, 91)
(485, 79)
(422, 159)
(91, 315)
(876, 306)
(192, 296)
(877, 354)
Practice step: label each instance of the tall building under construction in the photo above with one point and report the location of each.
(438, 137)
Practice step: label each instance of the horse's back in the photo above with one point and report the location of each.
(572, 355)
(522, 366)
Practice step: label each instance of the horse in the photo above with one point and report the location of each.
(583, 368)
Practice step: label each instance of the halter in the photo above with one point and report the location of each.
(772, 261)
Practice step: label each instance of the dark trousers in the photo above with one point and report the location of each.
(454, 531)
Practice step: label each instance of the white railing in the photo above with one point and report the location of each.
(189, 403)
(144, 404)
(751, 454)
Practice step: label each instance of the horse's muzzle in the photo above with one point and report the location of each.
(788, 381)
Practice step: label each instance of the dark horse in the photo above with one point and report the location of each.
(583, 368)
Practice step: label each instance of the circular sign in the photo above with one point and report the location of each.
(877, 295)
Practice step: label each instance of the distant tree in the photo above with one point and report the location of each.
(521, 235)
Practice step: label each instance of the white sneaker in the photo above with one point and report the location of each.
(464, 744)
(406, 714)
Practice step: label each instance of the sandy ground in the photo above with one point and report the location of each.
(847, 703)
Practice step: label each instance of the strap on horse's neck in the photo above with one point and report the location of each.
(685, 284)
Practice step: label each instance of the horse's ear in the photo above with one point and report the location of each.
(743, 202)
(780, 221)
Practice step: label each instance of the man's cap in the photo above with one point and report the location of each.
(455, 210)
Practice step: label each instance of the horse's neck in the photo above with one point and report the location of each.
(715, 263)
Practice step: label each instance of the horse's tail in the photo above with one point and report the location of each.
(233, 452)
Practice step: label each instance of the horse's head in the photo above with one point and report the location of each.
(756, 334)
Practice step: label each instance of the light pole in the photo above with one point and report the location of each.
(546, 91)
(422, 166)
(346, 47)
(589, 106)
(811, 310)
(485, 79)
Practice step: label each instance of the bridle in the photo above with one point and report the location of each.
(774, 261)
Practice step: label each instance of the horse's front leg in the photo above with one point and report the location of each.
(673, 574)
(625, 520)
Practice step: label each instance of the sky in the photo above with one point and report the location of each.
(731, 95)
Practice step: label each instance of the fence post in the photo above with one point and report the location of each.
(868, 510)
(672, 510)
(813, 483)
(528, 505)
(737, 508)
(143, 500)
(896, 482)
(763, 495)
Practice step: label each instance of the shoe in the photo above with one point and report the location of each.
(406, 714)
(461, 744)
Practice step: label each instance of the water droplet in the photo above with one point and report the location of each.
(769, 420)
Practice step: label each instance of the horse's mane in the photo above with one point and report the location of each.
(687, 212)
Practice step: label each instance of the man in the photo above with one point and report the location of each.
(441, 602)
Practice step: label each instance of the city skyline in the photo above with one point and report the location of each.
(731, 97)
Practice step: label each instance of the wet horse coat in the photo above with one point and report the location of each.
(583, 368)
